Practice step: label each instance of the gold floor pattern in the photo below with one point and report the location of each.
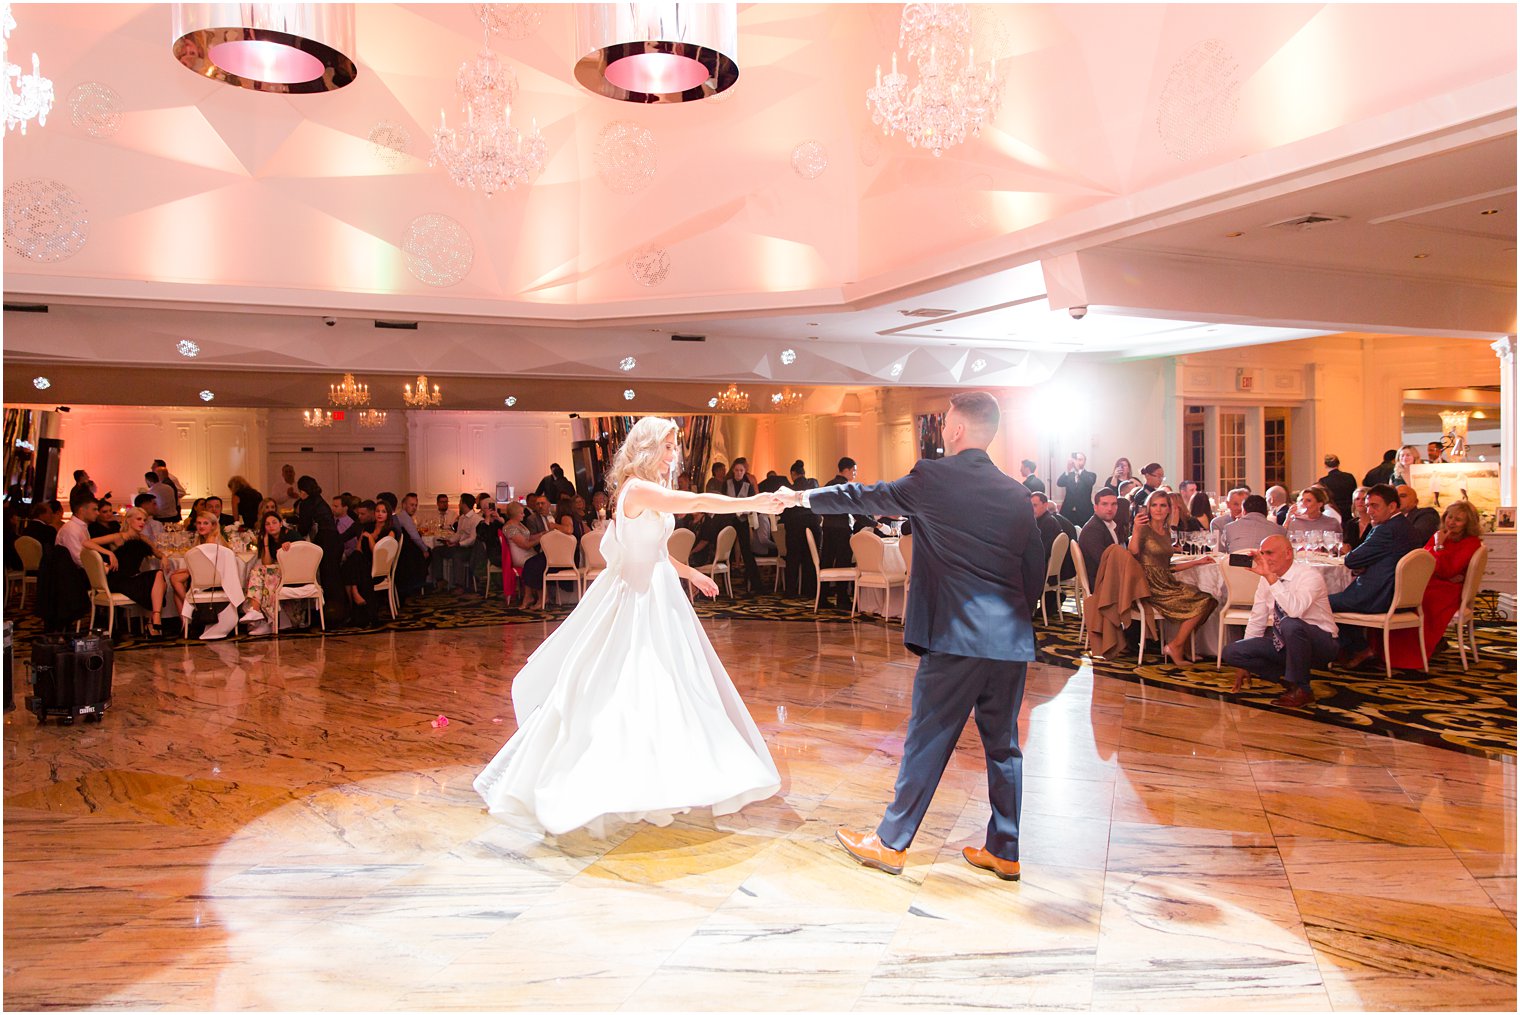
(268, 825)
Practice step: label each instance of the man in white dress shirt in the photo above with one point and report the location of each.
(1292, 628)
(76, 531)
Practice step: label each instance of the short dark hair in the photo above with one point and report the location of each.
(799, 469)
(410, 493)
(554, 468)
(1384, 492)
(159, 461)
(1255, 504)
(79, 475)
(442, 496)
(310, 487)
(1152, 467)
(151, 477)
(144, 498)
(846, 463)
(1028, 463)
(79, 499)
(1040, 494)
(1332, 462)
(979, 408)
(367, 504)
(1106, 491)
(1390, 454)
(467, 500)
(718, 466)
(388, 497)
(739, 461)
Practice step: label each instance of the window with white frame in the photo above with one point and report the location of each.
(1232, 450)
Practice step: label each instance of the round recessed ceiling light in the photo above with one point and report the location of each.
(712, 403)
(628, 395)
(627, 364)
(788, 357)
(978, 366)
(896, 369)
(1420, 257)
(812, 324)
(207, 395)
(1489, 211)
(41, 383)
(509, 401)
(1231, 236)
(188, 348)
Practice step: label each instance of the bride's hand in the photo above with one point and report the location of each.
(705, 585)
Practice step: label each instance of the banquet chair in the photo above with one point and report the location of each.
(1083, 591)
(778, 562)
(1240, 595)
(387, 553)
(101, 595)
(1407, 608)
(29, 550)
(719, 565)
(831, 574)
(678, 546)
(591, 552)
(299, 562)
(1058, 553)
(490, 570)
(1139, 614)
(871, 570)
(559, 551)
(1467, 634)
(205, 577)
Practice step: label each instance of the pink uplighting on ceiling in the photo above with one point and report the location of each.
(657, 73)
(266, 61)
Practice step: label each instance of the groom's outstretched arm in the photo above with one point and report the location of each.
(894, 497)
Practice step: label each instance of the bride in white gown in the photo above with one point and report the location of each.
(625, 712)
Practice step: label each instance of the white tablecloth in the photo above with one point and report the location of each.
(1210, 578)
(878, 601)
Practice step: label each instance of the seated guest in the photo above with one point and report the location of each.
(762, 538)
(1235, 502)
(1151, 544)
(1247, 531)
(1454, 544)
(1277, 504)
(196, 507)
(1332, 511)
(1291, 630)
(457, 545)
(1126, 515)
(153, 531)
(1374, 563)
(76, 531)
(579, 509)
(345, 512)
(358, 568)
(245, 502)
(1311, 516)
(43, 523)
(600, 508)
(411, 565)
(105, 522)
(1052, 523)
(165, 498)
(362, 518)
(1423, 521)
(124, 553)
(488, 532)
(523, 545)
(1180, 517)
(446, 516)
(1403, 469)
(706, 545)
(1201, 511)
(269, 504)
(1123, 473)
(207, 531)
(214, 505)
(1188, 488)
(1100, 532)
(1358, 523)
(264, 577)
(533, 570)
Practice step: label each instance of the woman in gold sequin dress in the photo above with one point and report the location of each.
(1151, 543)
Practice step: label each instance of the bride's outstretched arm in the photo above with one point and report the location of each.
(642, 496)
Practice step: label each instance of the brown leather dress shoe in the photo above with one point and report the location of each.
(1296, 697)
(1008, 870)
(867, 848)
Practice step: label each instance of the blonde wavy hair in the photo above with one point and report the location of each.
(220, 537)
(639, 457)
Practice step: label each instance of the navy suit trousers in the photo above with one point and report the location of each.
(947, 689)
(1304, 647)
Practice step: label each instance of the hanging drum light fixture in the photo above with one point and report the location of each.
(657, 52)
(287, 48)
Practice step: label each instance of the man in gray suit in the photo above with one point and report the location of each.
(977, 573)
(1246, 532)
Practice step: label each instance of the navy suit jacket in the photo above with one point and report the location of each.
(1379, 554)
(978, 562)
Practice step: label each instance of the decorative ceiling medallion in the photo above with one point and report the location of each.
(391, 143)
(438, 250)
(95, 109)
(41, 383)
(188, 349)
(649, 266)
(509, 401)
(282, 48)
(627, 363)
(810, 159)
(626, 157)
(512, 21)
(788, 357)
(665, 52)
(44, 221)
(1198, 102)
(628, 395)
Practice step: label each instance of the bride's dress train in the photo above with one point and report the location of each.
(625, 712)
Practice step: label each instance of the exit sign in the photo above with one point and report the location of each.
(339, 415)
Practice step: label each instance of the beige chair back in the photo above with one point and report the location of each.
(678, 547)
(1474, 580)
(812, 547)
(559, 550)
(386, 552)
(29, 549)
(905, 547)
(725, 545)
(94, 568)
(1058, 550)
(201, 562)
(1241, 584)
(1410, 578)
(778, 533)
(870, 552)
(1080, 563)
(591, 549)
(299, 563)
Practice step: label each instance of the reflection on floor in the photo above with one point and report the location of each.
(281, 826)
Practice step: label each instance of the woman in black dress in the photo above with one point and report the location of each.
(124, 553)
(245, 501)
(314, 521)
(358, 568)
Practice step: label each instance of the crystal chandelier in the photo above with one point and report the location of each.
(420, 397)
(786, 400)
(731, 400)
(317, 418)
(371, 418)
(949, 101)
(488, 153)
(348, 393)
(27, 96)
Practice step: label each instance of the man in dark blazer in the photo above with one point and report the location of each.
(836, 530)
(1423, 521)
(1374, 562)
(801, 576)
(976, 577)
(1340, 484)
(1051, 524)
(1382, 472)
(1101, 532)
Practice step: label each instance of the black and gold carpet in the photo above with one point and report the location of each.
(1472, 712)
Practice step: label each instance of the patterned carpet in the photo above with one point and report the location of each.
(1471, 712)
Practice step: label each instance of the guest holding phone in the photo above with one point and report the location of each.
(1152, 544)
(1077, 505)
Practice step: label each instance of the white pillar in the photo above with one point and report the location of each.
(1504, 348)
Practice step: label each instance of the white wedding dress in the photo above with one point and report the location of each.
(625, 712)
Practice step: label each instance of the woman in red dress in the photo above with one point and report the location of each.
(1454, 544)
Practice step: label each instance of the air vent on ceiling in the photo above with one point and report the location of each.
(27, 308)
(397, 325)
(1303, 223)
(926, 312)
(688, 338)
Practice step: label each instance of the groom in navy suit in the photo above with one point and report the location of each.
(978, 568)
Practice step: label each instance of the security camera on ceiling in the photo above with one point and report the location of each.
(1077, 313)
(330, 321)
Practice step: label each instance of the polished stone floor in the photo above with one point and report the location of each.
(275, 825)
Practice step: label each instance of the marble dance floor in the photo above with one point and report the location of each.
(261, 825)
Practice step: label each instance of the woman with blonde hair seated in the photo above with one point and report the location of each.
(208, 530)
(1152, 545)
(1459, 537)
(124, 554)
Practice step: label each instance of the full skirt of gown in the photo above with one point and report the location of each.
(625, 711)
